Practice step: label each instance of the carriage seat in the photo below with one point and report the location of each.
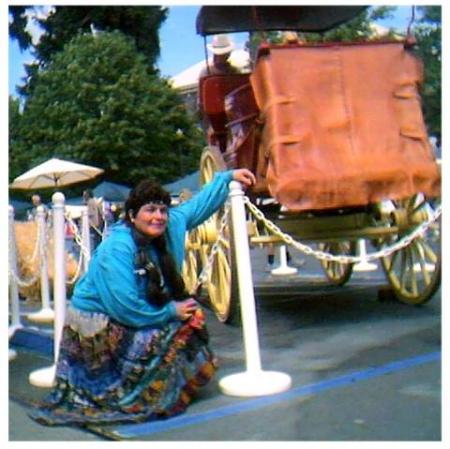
(212, 92)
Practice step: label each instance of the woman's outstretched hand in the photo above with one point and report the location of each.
(244, 176)
(186, 308)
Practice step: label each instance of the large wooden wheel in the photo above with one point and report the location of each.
(414, 272)
(191, 265)
(220, 286)
(337, 273)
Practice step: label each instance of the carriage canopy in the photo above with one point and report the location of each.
(312, 18)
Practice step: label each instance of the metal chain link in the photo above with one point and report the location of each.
(403, 242)
(77, 272)
(77, 235)
(203, 276)
(23, 283)
(12, 271)
(36, 246)
(15, 277)
(83, 249)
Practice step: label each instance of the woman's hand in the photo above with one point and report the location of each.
(244, 176)
(186, 308)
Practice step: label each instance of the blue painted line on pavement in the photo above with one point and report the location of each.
(33, 340)
(148, 428)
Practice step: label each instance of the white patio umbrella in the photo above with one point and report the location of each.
(55, 173)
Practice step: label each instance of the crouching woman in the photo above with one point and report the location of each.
(135, 346)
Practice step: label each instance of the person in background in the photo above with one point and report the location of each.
(95, 216)
(135, 344)
(36, 201)
(220, 47)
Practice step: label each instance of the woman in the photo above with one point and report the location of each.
(134, 345)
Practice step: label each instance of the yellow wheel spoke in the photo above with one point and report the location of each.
(414, 289)
(429, 252)
(422, 263)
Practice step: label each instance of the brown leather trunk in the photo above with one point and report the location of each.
(343, 125)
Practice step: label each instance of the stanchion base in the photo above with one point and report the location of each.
(45, 315)
(44, 377)
(283, 271)
(259, 383)
(365, 266)
(13, 328)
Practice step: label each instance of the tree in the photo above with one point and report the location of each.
(18, 158)
(358, 28)
(429, 39)
(98, 104)
(141, 23)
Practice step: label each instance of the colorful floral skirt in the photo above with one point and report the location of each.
(110, 373)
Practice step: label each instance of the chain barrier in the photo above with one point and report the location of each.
(83, 249)
(36, 246)
(344, 259)
(203, 276)
(14, 276)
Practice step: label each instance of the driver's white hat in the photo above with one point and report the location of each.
(221, 44)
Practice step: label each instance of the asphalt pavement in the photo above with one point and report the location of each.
(361, 369)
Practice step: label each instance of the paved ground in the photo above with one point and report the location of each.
(361, 370)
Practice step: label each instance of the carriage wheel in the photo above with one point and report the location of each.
(414, 272)
(221, 285)
(190, 270)
(336, 272)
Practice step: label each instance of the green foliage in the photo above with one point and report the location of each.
(17, 26)
(18, 158)
(428, 33)
(98, 103)
(141, 23)
(359, 28)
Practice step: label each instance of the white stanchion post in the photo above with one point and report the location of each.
(254, 381)
(45, 377)
(46, 314)
(15, 322)
(85, 238)
(12, 354)
(364, 265)
(283, 269)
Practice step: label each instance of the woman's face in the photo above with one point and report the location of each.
(151, 219)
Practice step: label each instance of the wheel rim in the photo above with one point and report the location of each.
(218, 282)
(336, 272)
(190, 265)
(211, 161)
(414, 272)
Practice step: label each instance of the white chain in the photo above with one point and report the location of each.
(77, 235)
(203, 277)
(83, 249)
(23, 283)
(78, 270)
(403, 242)
(14, 276)
(36, 246)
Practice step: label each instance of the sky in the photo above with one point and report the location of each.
(181, 47)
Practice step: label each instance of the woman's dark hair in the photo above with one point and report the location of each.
(144, 193)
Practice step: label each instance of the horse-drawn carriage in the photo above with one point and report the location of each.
(335, 135)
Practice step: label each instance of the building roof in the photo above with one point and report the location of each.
(188, 78)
